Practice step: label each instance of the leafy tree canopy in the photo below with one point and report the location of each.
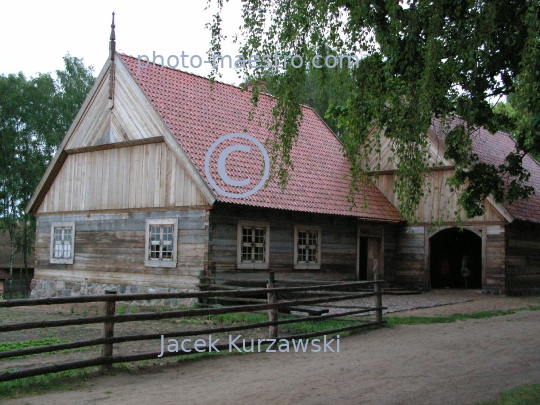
(419, 59)
(35, 114)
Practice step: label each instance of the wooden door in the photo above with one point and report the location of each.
(374, 258)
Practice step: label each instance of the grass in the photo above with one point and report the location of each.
(8, 346)
(42, 384)
(422, 320)
(526, 395)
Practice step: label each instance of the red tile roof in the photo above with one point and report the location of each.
(492, 149)
(198, 115)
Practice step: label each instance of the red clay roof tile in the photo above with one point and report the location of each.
(197, 115)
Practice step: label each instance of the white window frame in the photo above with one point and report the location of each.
(161, 262)
(307, 265)
(253, 265)
(62, 260)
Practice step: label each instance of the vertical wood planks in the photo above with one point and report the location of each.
(141, 176)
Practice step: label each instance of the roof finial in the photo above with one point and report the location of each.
(112, 43)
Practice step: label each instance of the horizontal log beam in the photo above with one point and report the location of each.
(152, 336)
(194, 294)
(173, 314)
(115, 145)
(55, 368)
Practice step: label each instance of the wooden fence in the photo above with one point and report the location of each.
(108, 319)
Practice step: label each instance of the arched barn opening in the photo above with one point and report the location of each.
(447, 250)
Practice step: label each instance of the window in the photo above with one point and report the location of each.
(253, 245)
(161, 242)
(307, 247)
(62, 240)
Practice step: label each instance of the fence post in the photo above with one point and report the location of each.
(109, 309)
(378, 298)
(272, 312)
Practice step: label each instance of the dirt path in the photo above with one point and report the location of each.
(458, 363)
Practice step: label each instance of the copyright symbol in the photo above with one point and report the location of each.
(223, 172)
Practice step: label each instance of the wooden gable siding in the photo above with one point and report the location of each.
(141, 176)
(385, 161)
(522, 258)
(110, 248)
(131, 118)
(338, 242)
(439, 201)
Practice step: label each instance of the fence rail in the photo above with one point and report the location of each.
(109, 319)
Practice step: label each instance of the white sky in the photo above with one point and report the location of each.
(37, 34)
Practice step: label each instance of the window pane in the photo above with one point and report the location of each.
(313, 236)
(57, 250)
(167, 252)
(301, 255)
(168, 233)
(246, 235)
(154, 233)
(154, 251)
(302, 239)
(246, 253)
(259, 254)
(259, 235)
(312, 255)
(67, 251)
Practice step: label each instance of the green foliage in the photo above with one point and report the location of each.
(421, 320)
(64, 380)
(420, 59)
(35, 114)
(7, 346)
(527, 395)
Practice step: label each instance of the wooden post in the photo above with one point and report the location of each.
(109, 309)
(273, 312)
(378, 298)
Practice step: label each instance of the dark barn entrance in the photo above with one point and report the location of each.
(447, 250)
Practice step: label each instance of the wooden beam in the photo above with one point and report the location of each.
(127, 210)
(431, 169)
(115, 145)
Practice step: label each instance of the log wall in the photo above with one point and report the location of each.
(412, 258)
(338, 244)
(523, 258)
(110, 248)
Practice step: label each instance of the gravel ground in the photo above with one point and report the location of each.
(414, 304)
(456, 363)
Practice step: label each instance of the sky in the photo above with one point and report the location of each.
(37, 34)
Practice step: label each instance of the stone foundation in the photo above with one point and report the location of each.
(59, 288)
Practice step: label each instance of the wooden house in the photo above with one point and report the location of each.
(126, 201)
(135, 198)
(502, 246)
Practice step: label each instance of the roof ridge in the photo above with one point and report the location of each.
(239, 87)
